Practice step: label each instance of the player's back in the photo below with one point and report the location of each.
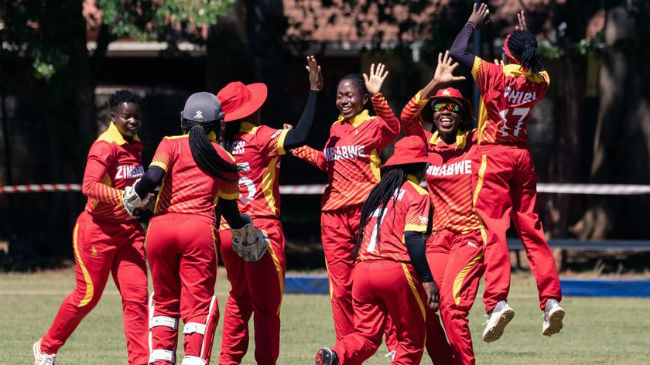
(186, 188)
(257, 151)
(408, 210)
(508, 95)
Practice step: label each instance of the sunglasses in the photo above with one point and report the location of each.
(452, 107)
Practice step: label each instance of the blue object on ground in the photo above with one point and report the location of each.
(584, 287)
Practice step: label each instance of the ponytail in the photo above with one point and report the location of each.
(206, 157)
(523, 46)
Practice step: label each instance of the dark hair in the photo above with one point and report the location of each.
(230, 129)
(204, 154)
(392, 178)
(523, 47)
(357, 80)
(122, 96)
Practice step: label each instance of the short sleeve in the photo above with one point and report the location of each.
(164, 155)
(417, 215)
(275, 144)
(485, 74)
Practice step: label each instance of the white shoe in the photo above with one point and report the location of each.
(497, 321)
(390, 355)
(553, 316)
(41, 358)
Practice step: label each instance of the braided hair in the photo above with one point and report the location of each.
(392, 178)
(122, 96)
(203, 152)
(523, 46)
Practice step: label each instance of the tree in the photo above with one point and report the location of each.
(49, 39)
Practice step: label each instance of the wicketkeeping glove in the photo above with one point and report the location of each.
(249, 242)
(130, 199)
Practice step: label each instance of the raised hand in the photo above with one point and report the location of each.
(521, 21)
(444, 74)
(315, 76)
(480, 15)
(376, 78)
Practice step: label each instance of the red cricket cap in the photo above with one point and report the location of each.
(239, 100)
(407, 150)
(452, 94)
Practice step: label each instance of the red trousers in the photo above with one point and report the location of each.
(381, 289)
(506, 188)
(181, 249)
(457, 264)
(339, 230)
(257, 289)
(101, 248)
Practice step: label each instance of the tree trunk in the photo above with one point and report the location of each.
(622, 140)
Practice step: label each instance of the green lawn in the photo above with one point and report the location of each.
(597, 331)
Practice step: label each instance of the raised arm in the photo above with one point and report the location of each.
(374, 81)
(442, 77)
(459, 52)
(298, 136)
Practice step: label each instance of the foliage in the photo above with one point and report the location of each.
(170, 20)
(29, 30)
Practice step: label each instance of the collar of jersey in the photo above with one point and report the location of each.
(461, 139)
(247, 127)
(412, 179)
(357, 120)
(518, 70)
(116, 136)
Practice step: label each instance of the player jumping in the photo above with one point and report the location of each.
(505, 178)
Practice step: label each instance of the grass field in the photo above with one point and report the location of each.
(597, 331)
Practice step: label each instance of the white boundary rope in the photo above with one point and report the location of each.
(318, 189)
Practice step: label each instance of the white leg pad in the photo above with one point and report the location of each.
(192, 360)
(193, 327)
(161, 355)
(163, 321)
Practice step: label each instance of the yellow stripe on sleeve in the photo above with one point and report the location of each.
(228, 196)
(280, 143)
(162, 165)
(415, 228)
(476, 66)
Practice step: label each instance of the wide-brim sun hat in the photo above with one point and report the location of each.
(239, 100)
(410, 150)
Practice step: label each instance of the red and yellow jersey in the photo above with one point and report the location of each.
(408, 210)
(185, 188)
(257, 151)
(450, 181)
(351, 155)
(508, 96)
(113, 164)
